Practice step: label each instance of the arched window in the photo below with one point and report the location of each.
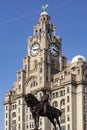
(62, 102)
(63, 115)
(14, 114)
(34, 83)
(55, 104)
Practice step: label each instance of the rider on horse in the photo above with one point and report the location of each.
(44, 100)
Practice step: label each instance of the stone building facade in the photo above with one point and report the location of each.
(45, 66)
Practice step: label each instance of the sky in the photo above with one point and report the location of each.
(17, 18)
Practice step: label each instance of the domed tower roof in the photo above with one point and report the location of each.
(78, 58)
(44, 13)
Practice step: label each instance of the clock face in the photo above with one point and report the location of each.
(53, 49)
(35, 49)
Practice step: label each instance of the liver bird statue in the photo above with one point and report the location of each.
(44, 7)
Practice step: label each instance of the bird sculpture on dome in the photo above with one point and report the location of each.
(44, 7)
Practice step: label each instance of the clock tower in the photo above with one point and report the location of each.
(44, 54)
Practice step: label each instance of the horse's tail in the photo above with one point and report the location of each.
(55, 111)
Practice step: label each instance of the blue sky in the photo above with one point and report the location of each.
(17, 18)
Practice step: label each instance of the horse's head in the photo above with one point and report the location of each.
(31, 100)
(28, 100)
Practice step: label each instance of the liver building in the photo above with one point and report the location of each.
(45, 66)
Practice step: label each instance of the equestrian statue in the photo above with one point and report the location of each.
(42, 108)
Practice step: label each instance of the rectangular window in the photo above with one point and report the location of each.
(30, 116)
(6, 122)
(19, 102)
(68, 90)
(84, 99)
(6, 115)
(19, 78)
(19, 110)
(46, 78)
(53, 95)
(68, 99)
(63, 128)
(19, 87)
(56, 94)
(68, 118)
(68, 108)
(40, 121)
(27, 126)
(26, 117)
(6, 108)
(19, 118)
(40, 70)
(68, 126)
(18, 126)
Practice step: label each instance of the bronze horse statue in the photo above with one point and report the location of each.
(37, 110)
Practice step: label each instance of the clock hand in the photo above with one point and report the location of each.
(35, 49)
(55, 50)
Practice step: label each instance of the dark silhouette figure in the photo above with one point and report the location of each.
(37, 110)
(44, 101)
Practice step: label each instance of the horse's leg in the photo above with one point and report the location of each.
(37, 120)
(52, 121)
(58, 123)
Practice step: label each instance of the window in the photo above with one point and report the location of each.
(68, 126)
(46, 78)
(85, 126)
(18, 118)
(14, 114)
(19, 87)
(19, 102)
(40, 79)
(26, 109)
(68, 118)
(62, 102)
(6, 115)
(68, 90)
(14, 122)
(26, 117)
(41, 58)
(19, 110)
(63, 116)
(84, 108)
(25, 67)
(34, 83)
(68, 99)
(55, 104)
(84, 98)
(85, 117)
(40, 70)
(63, 119)
(62, 93)
(40, 121)
(30, 116)
(18, 126)
(27, 126)
(19, 78)
(6, 122)
(63, 128)
(68, 108)
(56, 94)
(6, 108)
(53, 95)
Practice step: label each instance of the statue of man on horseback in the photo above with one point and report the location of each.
(42, 108)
